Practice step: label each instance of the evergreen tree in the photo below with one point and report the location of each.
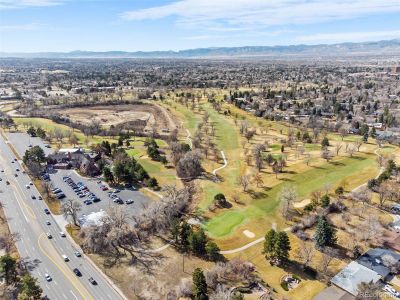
(197, 242)
(325, 142)
(31, 131)
(175, 229)
(184, 233)
(108, 175)
(199, 285)
(212, 251)
(281, 248)
(277, 247)
(325, 234)
(8, 268)
(30, 290)
(269, 243)
(40, 133)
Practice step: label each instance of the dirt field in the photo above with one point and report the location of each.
(149, 115)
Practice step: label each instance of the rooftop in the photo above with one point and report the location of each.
(352, 275)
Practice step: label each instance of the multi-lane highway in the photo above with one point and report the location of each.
(41, 254)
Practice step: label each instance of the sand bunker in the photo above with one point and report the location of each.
(249, 234)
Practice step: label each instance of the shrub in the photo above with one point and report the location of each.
(309, 207)
(325, 200)
(284, 285)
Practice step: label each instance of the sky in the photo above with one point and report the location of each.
(154, 25)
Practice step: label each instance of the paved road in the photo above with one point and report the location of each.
(43, 255)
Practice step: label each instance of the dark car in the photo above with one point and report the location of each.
(33, 197)
(46, 211)
(77, 272)
(7, 182)
(92, 281)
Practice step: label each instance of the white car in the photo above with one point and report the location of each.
(391, 291)
(65, 258)
(27, 186)
(129, 201)
(30, 183)
(62, 234)
(48, 277)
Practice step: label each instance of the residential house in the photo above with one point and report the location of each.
(352, 275)
(374, 259)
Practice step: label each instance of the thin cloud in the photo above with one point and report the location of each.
(13, 4)
(349, 36)
(240, 13)
(20, 27)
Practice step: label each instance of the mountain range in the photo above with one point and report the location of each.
(387, 47)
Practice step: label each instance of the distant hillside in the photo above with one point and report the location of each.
(343, 49)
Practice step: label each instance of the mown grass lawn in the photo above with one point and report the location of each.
(361, 167)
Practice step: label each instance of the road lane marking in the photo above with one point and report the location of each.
(22, 210)
(28, 208)
(74, 295)
(62, 270)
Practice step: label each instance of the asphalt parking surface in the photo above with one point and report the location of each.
(21, 142)
(139, 200)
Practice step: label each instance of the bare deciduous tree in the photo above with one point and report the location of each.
(305, 253)
(243, 181)
(70, 209)
(287, 196)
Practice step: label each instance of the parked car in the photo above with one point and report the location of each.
(60, 196)
(129, 201)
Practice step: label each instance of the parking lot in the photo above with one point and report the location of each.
(21, 142)
(139, 200)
